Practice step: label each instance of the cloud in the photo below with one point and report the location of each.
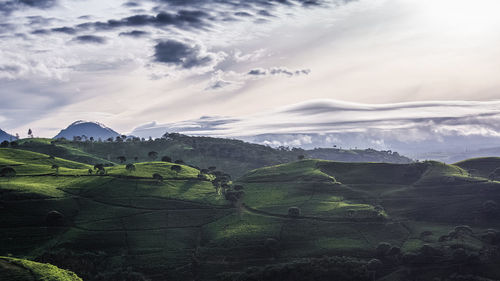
(257, 72)
(92, 39)
(135, 33)
(67, 30)
(278, 71)
(183, 55)
(180, 19)
(9, 6)
(406, 126)
(218, 84)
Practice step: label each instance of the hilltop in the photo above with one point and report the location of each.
(277, 219)
(86, 130)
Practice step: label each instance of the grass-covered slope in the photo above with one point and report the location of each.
(12, 269)
(125, 225)
(482, 167)
(46, 146)
(33, 163)
(232, 156)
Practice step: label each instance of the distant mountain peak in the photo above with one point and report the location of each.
(4, 136)
(87, 128)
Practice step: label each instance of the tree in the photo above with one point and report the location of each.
(301, 157)
(14, 144)
(110, 139)
(272, 246)
(232, 195)
(294, 212)
(30, 133)
(90, 171)
(166, 159)
(122, 159)
(490, 207)
(4, 144)
(136, 158)
(130, 168)
(100, 169)
(373, 266)
(176, 168)
(212, 168)
(54, 218)
(383, 249)
(158, 177)
(91, 139)
(8, 172)
(152, 155)
(56, 167)
(179, 161)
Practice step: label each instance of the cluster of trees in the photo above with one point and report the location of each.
(12, 144)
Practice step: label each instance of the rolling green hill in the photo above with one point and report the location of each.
(12, 269)
(47, 146)
(232, 156)
(306, 216)
(482, 167)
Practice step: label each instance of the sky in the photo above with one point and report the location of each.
(425, 69)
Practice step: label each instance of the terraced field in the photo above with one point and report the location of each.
(122, 223)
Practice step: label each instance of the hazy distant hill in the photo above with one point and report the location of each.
(88, 129)
(5, 136)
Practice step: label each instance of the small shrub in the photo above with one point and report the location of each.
(130, 168)
(176, 168)
(158, 177)
(294, 212)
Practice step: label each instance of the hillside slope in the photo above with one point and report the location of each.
(125, 224)
(12, 269)
(483, 167)
(232, 156)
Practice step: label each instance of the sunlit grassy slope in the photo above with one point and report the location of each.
(182, 229)
(12, 269)
(46, 146)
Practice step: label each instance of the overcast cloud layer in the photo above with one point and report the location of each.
(125, 63)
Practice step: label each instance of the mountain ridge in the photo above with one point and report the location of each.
(88, 129)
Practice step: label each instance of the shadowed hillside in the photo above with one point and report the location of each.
(327, 220)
